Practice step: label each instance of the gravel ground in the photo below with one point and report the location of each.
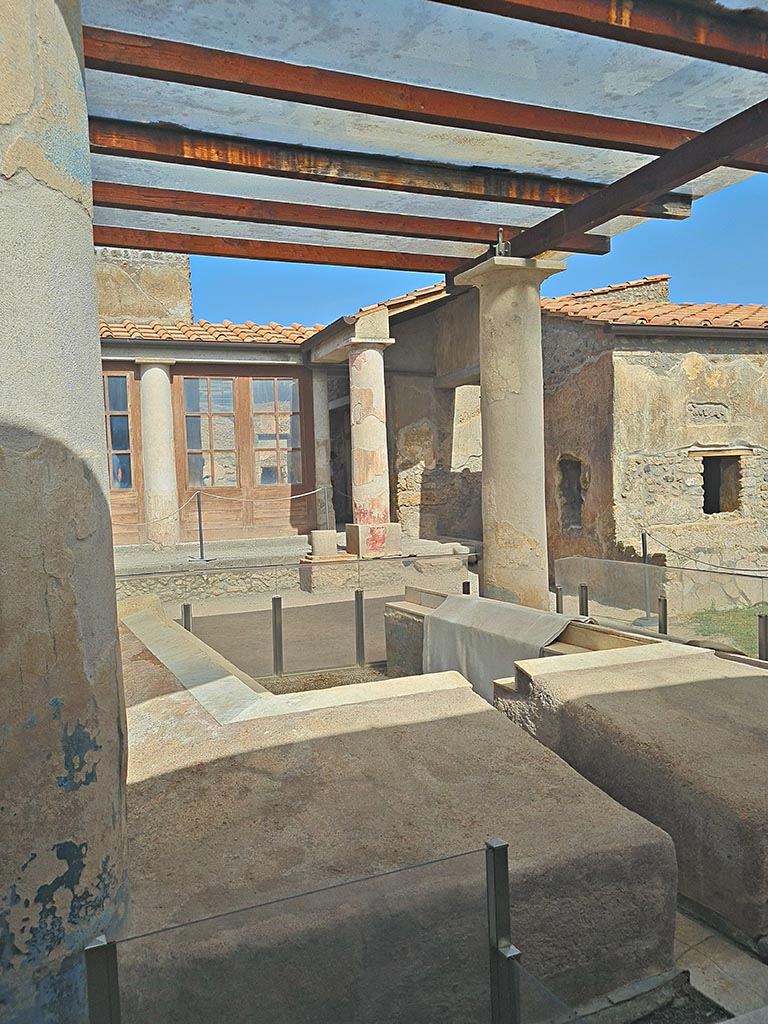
(690, 1007)
(300, 682)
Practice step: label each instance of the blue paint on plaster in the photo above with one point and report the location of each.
(28, 861)
(77, 745)
(30, 723)
(56, 703)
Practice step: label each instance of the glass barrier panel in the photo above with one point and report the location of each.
(539, 1005)
(319, 620)
(410, 947)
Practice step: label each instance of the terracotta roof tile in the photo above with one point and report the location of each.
(658, 314)
(203, 331)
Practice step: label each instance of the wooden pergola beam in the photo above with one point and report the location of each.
(694, 158)
(114, 195)
(182, 146)
(281, 252)
(737, 39)
(166, 60)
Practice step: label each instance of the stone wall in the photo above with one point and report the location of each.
(143, 286)
(667, 400)
(434, 433)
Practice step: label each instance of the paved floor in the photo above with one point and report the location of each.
(720, 970)
(315, 636)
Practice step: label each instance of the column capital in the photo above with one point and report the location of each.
(358, 344)
(511, 266)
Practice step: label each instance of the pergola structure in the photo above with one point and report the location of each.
(483, 139)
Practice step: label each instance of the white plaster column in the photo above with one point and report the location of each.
(322, 425)
(512, 411)
(161, 493)
(371, 532)
(62, 752)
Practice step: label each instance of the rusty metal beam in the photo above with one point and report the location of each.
(694, 158)
(113, 195)
(282, 252)
(739, 39)
(166, 60)
(181, 146)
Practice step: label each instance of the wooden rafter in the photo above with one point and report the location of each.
(694, 158)
(181, 146)
(281, 252)
(119, 196)
(734, 38)
(166, 60)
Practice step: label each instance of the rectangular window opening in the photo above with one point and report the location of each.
(722, 483)
(118, 431)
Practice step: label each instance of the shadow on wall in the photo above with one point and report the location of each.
(62, 735)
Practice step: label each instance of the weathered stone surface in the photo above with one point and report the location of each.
(679, 736)
(143, 286)
(62, 750)
(348, 792)
(374, 541)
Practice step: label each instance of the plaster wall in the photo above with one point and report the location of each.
(701, 392)
(434, 433)
(143, 286)
(62, 751)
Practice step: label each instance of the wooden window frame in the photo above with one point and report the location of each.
(132, 450)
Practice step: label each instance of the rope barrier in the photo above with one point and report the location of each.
(223, 497)
(701, 561)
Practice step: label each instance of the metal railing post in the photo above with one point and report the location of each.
(466, 587)
(663, 614)
(559, 600)
(200, 541)
(762, 637)
(277, 635)
(583, 599)
(102, 982)
(359, 628)
(504, 957)
(186, 616)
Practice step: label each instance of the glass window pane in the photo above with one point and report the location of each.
(222, 396)
(263, 395)
(290, 431)
(264, 431)
(194, 437)
(290, 467)
(288, 395)
(223, 431)
(196, 394)
(121, 472)
(266, 467)
(224, 469)
(199, 470)
(118, 427)
(117, 394)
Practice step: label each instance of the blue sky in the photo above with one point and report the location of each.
(718, 255)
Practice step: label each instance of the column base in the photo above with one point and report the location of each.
(374, 540)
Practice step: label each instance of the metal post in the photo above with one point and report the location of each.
(663, 614)
(762, 637)
(646, 596)
(504, 957)
(559, 600)
(186, 616)
(359, 628)
(583, 599)
(277, 635)
(102, 982)
(327, 513)
(466, 587)
(200, 542)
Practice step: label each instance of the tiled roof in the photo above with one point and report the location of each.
(624, 286)
(410, 300)
(206, 332)
(657, 314)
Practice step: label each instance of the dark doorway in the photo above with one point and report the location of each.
(721, 483)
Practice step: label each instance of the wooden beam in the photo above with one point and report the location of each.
(113, 195)
(691, 160)
(282, 252)
(181, 146)
(166, 60)
(739, 39)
